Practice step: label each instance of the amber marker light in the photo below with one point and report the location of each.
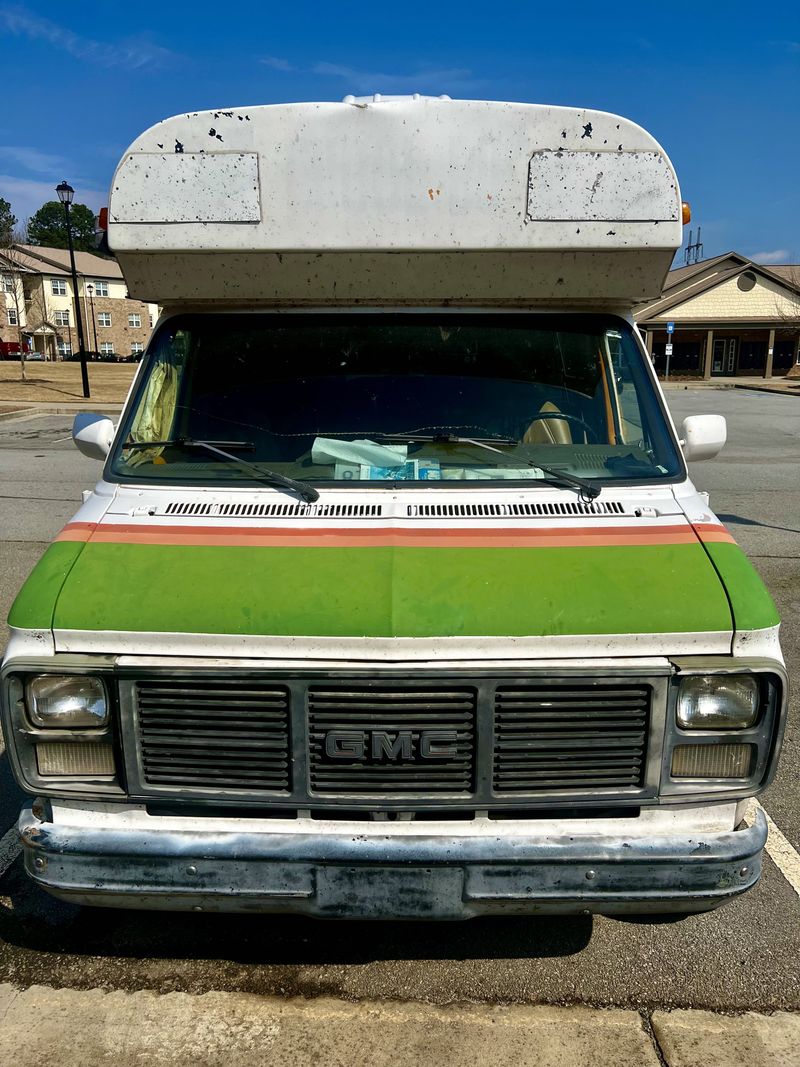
(686, 213)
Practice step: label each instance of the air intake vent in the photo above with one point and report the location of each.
(502, 511)
(187, 508)
(570, 736)
(214, 734)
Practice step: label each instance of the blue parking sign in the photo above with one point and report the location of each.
(670, 327)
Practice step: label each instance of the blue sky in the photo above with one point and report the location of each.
(717, 83)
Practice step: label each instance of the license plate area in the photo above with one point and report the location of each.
(366, 892)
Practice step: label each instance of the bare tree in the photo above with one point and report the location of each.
(787, 312)
(13, 272)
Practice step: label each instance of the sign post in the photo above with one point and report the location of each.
(668, 349)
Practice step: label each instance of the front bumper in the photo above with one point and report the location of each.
(382, 876)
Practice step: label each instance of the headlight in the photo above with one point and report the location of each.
(66, 700)
(718, 702)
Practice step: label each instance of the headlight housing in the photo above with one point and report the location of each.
(66, 701)
(718, 702)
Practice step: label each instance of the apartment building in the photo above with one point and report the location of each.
(37, 307)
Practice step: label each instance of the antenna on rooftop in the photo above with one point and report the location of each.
(694, 249)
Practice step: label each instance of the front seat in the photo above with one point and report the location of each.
(550, 430)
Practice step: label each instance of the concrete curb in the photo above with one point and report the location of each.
(58, 409)
(118, 1029)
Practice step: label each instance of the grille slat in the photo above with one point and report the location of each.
(218, 735)
(556, 738)
(404, 714)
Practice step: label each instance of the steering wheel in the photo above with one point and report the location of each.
(591, 432)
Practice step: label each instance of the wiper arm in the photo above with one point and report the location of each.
(587, 490)
(305, 492)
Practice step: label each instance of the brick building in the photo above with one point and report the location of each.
(37, 308)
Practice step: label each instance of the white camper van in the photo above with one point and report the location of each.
(394, 597)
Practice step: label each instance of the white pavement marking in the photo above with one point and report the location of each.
(10, 848)
(780, 850)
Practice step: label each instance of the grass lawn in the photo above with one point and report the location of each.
(54, 382)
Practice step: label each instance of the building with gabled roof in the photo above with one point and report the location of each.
(730, 317)
(37, 306)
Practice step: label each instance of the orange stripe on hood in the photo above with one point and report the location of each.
(398, 536)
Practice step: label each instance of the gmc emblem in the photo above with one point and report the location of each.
(396, 745)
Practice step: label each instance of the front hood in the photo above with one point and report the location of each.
(623, 580)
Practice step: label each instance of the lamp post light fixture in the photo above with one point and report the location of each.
(90, 291)
(65, 195)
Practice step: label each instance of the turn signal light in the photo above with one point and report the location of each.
(712, 761)
(686, 213)
(74, 759)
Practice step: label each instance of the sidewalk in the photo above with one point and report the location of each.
(73, 1028)
(787, 386)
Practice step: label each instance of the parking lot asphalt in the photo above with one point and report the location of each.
(744, 956)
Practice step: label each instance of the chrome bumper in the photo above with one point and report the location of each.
(376, 876)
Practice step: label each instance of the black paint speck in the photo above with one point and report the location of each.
(212, 132)
(587, 130)
(161, 146)
(564, 134)
(619, 147)
(178, 146)
(611, 233)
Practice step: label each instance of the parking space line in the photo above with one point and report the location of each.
(10, 848)
(780, 850)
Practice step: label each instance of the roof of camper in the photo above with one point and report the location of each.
(373, 175)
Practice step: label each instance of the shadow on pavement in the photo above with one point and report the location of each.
(32, 920)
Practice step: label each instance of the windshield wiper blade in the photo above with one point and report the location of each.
(587, 490)
(278, 481)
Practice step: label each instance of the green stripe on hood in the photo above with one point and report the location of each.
(378, 591)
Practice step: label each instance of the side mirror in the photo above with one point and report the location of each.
(93, 435)
(704, 436)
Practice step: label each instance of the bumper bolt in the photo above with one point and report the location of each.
(591, 875)
(743, 873)
(191, 870)
(40, 863)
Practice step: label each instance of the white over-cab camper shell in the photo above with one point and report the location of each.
(395, 598)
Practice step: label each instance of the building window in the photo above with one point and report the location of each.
(104, 318)
(106, 348)
(151, 321)
(61, 318)
(13, 318)
(134, 320)
(100, 288)
(6, 284)
(58, 286)
(64, 348)
(136, 347)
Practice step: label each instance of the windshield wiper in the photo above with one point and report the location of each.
(278, 481)
(587, 490)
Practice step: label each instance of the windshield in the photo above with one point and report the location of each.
(394, 398)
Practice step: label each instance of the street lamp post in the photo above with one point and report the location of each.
(90, 291)
(65, 195)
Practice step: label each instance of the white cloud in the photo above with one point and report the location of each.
(32, 159)
(777, 255)
(445, 80)
(132, 54)
(27, 195)
(276, 63)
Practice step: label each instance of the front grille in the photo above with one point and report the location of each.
(572, 736)
(392, 742)
(216, 734)
(379, 740)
